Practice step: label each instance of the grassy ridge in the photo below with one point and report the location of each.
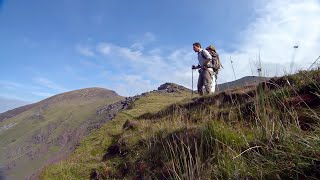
(266, 132)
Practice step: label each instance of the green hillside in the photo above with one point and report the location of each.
(89, 154)
(49, 131)
(269, 131)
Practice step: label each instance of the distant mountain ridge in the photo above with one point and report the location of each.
(47, 131)
(7, 104)
(245, 81)
(82, 93)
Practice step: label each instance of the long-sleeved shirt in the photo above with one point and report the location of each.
(203, 56)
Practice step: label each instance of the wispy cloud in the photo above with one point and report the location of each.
(49, 84)
(25, 92)
(137, 46)
(104, 48)
(85, 50)
(43, 94)
(9, 85)
(109, 49)
(131, 84)
(144, 40)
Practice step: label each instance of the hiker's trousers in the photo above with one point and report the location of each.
(205, 80)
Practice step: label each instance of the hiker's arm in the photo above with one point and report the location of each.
(208, 57)
(207, 61)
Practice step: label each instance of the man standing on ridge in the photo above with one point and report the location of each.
(205, 69)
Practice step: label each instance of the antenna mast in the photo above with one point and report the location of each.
(233, 69)
(259, 65)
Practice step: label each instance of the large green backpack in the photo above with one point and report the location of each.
(216, 64)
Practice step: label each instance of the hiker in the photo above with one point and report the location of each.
(206, 73)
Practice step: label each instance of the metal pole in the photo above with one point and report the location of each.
(192, 83)
(233, 69)
(293, 57)
(259, 68)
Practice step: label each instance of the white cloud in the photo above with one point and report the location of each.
(109, 49)
(278, 27)
(145, 70)
(155, 51)
(147, 38)
(85, 50)
(42, 94)
(133, 84)
(137, 46)
(129, 53)
(115, 52)
(150, 70)
(104, 48)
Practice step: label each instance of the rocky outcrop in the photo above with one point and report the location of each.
(172, 88)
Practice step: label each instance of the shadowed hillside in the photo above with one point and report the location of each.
(242, 82)
(47, 131)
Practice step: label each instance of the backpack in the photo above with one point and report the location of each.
(216, 64)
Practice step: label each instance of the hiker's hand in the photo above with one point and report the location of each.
(195, 67)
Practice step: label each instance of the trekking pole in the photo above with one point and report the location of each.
(217, 85)
(192, 83)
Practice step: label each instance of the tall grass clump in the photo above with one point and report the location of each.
(273, 134)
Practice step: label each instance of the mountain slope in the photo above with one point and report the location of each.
(49, 130)
(89, 153)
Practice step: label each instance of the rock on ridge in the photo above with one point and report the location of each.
(172, 88)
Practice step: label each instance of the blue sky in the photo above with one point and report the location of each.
(50, 47)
